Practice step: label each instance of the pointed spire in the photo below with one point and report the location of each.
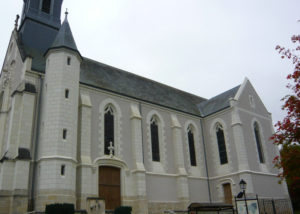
(64, 37)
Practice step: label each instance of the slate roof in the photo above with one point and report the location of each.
(64, 38)
(115, 80)
(218, 102)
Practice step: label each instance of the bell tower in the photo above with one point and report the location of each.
(40, 22)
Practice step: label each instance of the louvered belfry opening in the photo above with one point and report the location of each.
(46, 6)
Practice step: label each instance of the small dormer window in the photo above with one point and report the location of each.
(46, 6)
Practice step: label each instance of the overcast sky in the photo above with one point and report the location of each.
(204, 47)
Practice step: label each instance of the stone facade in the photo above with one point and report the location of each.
(52, 142)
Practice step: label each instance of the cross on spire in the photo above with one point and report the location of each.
(111, 149)
(66, 13)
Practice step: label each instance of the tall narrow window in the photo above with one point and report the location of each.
(192, 146)
(64, 134)
(62, 170)
(69, 61)
(46, 6)
(155, 140)
(258, 143)
(108, 129)
(67, 93)
(221, 144)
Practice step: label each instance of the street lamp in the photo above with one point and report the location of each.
(243, 186)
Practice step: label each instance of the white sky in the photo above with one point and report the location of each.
(204, 47)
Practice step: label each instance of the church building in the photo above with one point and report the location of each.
(74, 130)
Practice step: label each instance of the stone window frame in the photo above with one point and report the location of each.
(220, 168)
(257, 135)
(109, 109)
(161, 166)
(218, 127)
(193, 170)
(263, 166)
(155, 121)
(117, 127)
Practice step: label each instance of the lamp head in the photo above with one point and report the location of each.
(243, 184)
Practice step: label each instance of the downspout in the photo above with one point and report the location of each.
(36, 140)
(205, 157)
(140, 108)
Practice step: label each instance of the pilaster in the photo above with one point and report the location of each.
(140, 202)
(182, 181)
(238, 136)
(136, 136)
(12, 144)
(84, 170)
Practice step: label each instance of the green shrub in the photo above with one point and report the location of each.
(123, 210)
(60, 209)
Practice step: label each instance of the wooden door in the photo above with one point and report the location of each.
(227, 193)
(110, 187)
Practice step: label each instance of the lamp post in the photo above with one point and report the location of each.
(243, 186)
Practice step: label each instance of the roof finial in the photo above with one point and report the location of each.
(66, 13)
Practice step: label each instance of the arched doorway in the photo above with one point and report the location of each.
(110, 186)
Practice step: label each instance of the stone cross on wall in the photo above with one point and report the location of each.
(111, 149)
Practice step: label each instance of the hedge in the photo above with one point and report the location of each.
(60, 209)
(123, 210)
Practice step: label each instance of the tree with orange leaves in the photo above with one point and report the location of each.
(287, 134)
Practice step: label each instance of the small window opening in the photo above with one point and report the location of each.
(69, 61)
(67, 93)
(64, 134)
(62, 170)
(46, 6)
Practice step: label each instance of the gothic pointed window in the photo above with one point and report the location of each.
(258, 143)
(221, 144)
(192, 146)
(155, 139)
(46, 6)
(108, 128)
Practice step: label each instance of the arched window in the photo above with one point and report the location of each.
(258, 143)
(192, 146)
(221, 144)
(108, 128)
(46, 6)
(155, 139)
